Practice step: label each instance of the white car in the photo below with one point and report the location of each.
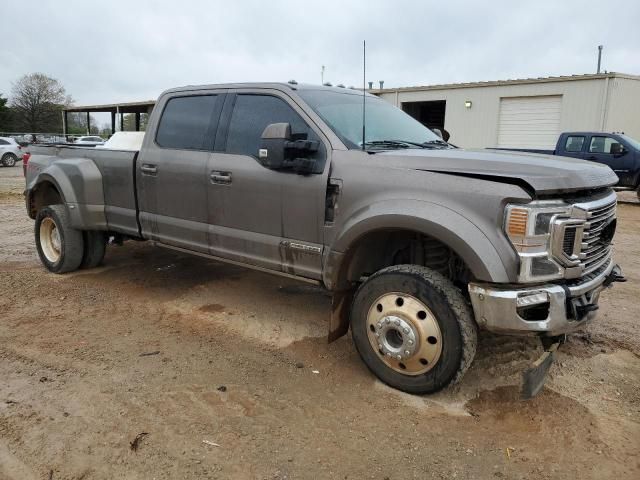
(10, 152)
(89, 140)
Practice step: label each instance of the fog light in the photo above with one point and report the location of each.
(529, 299)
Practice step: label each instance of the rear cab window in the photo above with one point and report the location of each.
(574, 143)
(188, 123)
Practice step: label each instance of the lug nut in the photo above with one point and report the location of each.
(377, 335)
(387, 320)
(397, 322)
(399, 357)
(407, 352)
(406, 330)
(410, 342)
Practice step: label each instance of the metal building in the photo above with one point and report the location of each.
(525, 113)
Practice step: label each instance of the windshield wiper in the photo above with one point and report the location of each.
(388, 143)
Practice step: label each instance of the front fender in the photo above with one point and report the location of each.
(79, 183)
(449, 227)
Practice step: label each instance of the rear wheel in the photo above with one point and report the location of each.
(413, 328)
(95, 245)
(9, 159)
(60, 247)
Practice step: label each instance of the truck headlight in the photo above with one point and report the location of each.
(530, 230)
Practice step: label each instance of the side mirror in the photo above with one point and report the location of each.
(279, 151)
(617, 149)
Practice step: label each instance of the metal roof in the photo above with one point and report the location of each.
(127, 107)
(518, 81)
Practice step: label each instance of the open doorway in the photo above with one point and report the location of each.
(430, 114)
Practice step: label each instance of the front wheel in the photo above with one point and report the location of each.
(413, 328)
(60, 247)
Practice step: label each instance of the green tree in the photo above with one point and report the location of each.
(37, 101)
(5, 115)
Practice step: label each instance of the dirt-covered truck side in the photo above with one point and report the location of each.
(421, 243)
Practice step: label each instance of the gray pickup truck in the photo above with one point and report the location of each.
(421, 243)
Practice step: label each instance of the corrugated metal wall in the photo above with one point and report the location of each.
(583, 107)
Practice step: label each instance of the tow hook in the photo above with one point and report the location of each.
(615, 276)
(534, 377)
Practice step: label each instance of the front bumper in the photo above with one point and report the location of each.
(567, 307)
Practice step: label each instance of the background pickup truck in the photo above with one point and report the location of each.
(616, 150)
(421, 243)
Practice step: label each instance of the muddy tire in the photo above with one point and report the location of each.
(95, 246)
(413, 329)
(9, 160)
(60, 247)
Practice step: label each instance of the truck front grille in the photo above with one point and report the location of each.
(594, 249)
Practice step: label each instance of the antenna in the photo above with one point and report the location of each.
(364, 88)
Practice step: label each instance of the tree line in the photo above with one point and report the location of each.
(35, 105)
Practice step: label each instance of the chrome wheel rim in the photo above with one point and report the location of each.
(404, 333)
(50, 240)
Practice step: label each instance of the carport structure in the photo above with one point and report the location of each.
(116, 110)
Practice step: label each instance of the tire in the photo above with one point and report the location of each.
(95, 245)
(419, 314)
(9, 159)
(60, 247)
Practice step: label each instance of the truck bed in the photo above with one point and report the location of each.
(117, 179)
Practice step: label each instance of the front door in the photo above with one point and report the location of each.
(607, 149)
(172, 171)
(260, 216)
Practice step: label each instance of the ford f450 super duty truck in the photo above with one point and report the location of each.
(421, 243)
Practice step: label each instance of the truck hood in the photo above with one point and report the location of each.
(542, 174)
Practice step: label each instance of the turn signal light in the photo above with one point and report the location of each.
(517, 222)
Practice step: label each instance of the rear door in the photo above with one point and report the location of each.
(257, 215)
(172, 166)
(603, 149)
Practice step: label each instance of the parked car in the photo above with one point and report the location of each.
(422, 244)
(10, 152)
(89, 141)
(616, 150)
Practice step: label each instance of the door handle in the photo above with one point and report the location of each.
(222, 178)
(149, 169)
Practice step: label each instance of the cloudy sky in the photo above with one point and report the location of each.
(113, 50)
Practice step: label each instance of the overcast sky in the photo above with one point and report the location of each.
(113, 50)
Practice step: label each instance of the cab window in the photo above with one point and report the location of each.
(251, 115)
(606, 145)
(574, 143)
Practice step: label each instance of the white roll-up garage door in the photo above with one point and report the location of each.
(529, 122)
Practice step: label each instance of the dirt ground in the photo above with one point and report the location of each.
(229, 374)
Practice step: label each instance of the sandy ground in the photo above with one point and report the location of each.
(229, 374)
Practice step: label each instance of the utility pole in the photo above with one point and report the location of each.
(599, 56)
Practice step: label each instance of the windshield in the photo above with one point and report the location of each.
(634, 143)
(385, 124)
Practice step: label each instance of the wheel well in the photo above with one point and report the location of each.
(44, 194)
(380, 249)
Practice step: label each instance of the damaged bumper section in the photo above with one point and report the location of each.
(546, 310)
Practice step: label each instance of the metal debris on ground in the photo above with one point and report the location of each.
(148, 354)
(135, 444)
(315, 371)
(209, 442)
